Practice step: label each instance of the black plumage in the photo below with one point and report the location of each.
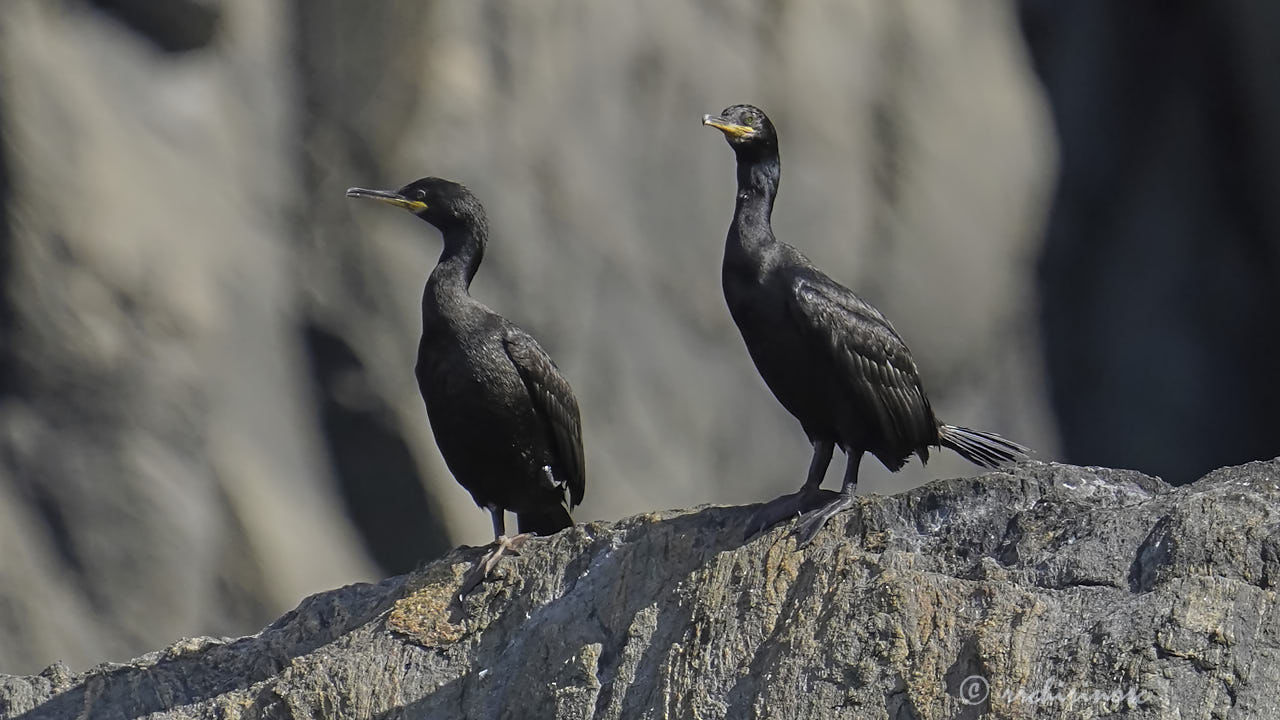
(503, 415)
(831, 359)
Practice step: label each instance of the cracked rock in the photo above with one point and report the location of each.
(1044, 591)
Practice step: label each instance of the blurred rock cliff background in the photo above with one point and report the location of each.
(207, 403)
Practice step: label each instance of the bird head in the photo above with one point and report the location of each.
(443, 203)
(744, 126)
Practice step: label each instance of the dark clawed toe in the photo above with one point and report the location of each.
(770, 514)
(760, 521)
(809, 528)
(814, 520)
(786, 507)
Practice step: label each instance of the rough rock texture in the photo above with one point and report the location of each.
(1070, 592)
(207, 403)
(157, 467)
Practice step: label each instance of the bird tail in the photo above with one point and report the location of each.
(981, 447)
(545, 521)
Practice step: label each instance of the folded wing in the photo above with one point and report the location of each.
(874, 365)
(555, 404)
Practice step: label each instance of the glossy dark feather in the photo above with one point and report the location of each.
(874, 372)
(504, 417)
(831, 359)
(555, 403)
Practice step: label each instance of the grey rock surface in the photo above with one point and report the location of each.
(159, 463)
(207, 404)
(1044, 591)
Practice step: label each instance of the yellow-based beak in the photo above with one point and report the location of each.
(389, 198)
(730, 129)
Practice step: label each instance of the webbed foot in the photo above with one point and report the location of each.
(814, 520)
(502, 546)
(785, 507)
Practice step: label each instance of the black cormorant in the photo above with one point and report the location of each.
(831, 359)
(505, 419)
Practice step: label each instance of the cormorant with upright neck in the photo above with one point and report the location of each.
(505, 419)
(831, 359)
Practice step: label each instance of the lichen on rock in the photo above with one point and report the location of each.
(1042, 591)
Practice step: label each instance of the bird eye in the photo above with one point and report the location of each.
(419, 194)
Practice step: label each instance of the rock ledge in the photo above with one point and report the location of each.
(1048, 590)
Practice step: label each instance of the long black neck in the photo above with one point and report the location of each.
(449, 284)
(758, 174)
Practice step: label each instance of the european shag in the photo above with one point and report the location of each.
(505, 419)
(831, 359)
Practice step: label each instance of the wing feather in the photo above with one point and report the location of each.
(878, 370)
(555, 403)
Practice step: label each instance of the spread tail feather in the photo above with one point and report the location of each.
(981, 447)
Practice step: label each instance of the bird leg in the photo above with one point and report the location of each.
(809, 496)
(503, 545)
(813, 520)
